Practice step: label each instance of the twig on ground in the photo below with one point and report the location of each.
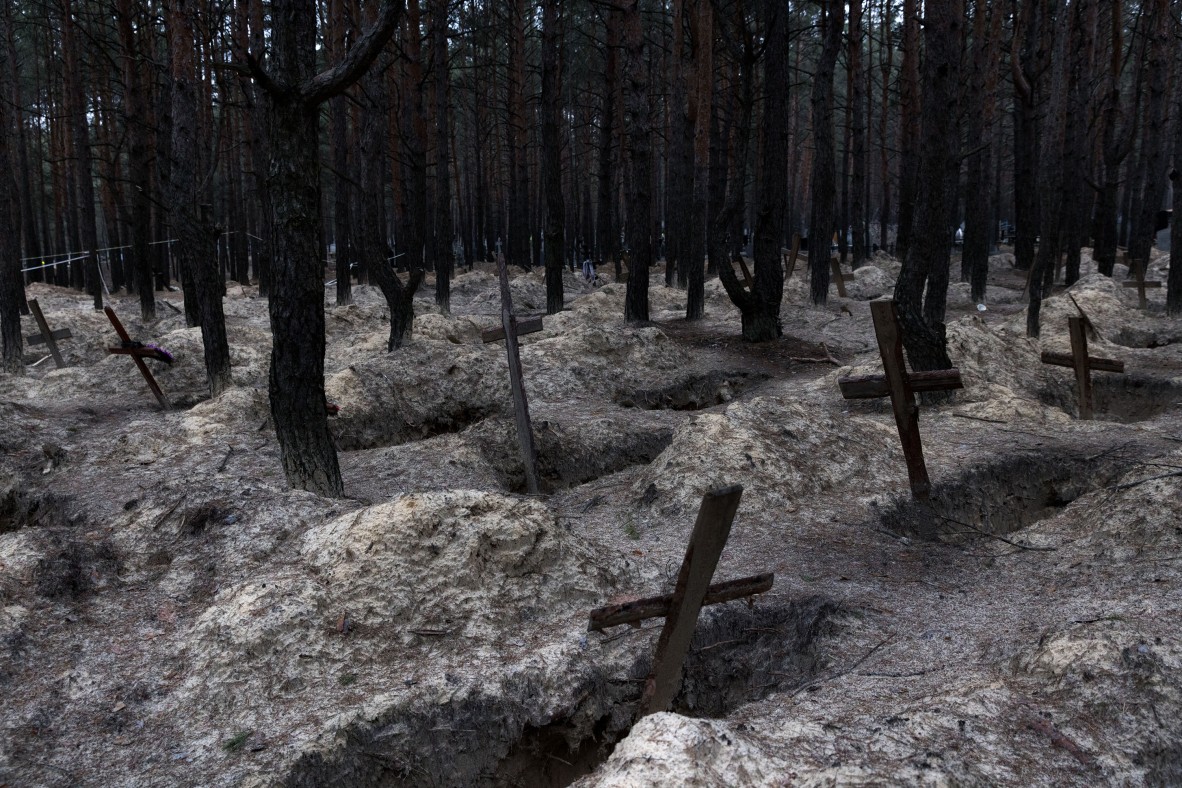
(840, 673)
(1127, 485)
(980, 418)
(160, 520)
(1044, 726)
(982, 532)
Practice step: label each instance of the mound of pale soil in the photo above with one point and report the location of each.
(870, 282)
(780, 451)
(375, 585)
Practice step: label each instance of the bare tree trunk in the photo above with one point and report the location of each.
(1148, 202)
(979, 120)
(909, 126)
(928, 255)
(80, 128)
(884, 215)
(11, 286)
(189, 212)
(552, 152)
(858, 137)
(606, 232)
(294, 94)
(442, 250)
(700, 114)
(637, 124)
(517, 246)
(821, 223)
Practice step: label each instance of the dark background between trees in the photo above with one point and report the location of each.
(425, 135)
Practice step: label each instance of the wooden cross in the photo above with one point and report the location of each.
(839, 277)
(747, 275)
(681, 608)
(1082, 363)
(901, 387)
(138, 353)
(1141, 282)
(46, 336)
(525, 434)
(529, 325)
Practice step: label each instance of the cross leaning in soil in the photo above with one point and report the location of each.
(693, 590)
(525, 433)
(901, 387)
(138, 354)
(48, 337)
(1082, 364)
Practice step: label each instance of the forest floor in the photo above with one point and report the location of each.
(171, 614)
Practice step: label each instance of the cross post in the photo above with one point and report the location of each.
(901, 387)
(525, 434)
(838, 277)
(1141, 282)
(48, 337)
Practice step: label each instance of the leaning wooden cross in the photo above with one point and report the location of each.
(790, 257)
(838, 277)
(46, 336)
(1141, 282)
(138, 352)
(693, 590)
(1082, 363)
(901, 386)
(525, 434)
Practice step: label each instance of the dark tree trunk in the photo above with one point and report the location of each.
(979, 120)
(637, 124)
(11, 286)
(297, 303)
(1153, 145)
(339, 144)
(1050, 181)
(517, 246)
(760, 309)
(928, 254)
(196, 237)
(680, 152)
(700, 115)
(824, 189)
(80, 128)
(606, 234)
(909, 127)
(442, 197)
(139, 172)
(552, 153)
(857, 137)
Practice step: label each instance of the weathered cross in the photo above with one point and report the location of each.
(1082, 363)
(138, 352)
(46, 336)
(693, 590)
(1141, 282)
(901, 386)
(525, 434)
(839, 277)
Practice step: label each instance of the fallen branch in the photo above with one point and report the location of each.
(160, 521)
(818, 681)
(1010, 542)
(1127, 485)
(1044, 726)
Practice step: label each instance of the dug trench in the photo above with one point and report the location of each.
(536, 731)
(1004, 496)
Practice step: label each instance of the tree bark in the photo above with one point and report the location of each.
(11, 285)
(189, 211)
(442, 246)
(824, 190)
(552, 153)
(296, 380)
(928, 254)
(1148, 202)
(700, 115)
(909, 110)
(637, 124)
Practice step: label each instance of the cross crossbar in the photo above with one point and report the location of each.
(59, 333)
(528, 325)
(1141, 283)
(638, 610)
(901, 387)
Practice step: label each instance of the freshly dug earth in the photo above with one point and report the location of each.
(171, 614)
